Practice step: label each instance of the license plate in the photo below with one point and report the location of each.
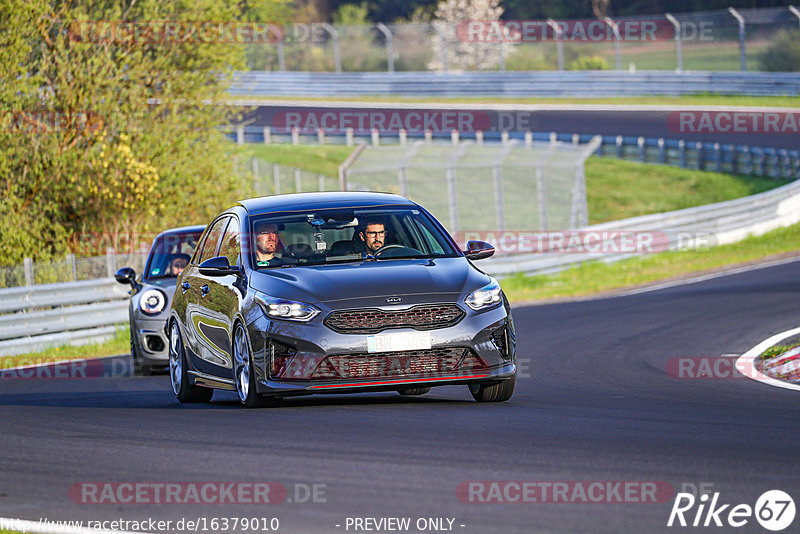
(398, 342)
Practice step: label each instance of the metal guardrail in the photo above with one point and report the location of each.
(516, 84)
(35, 317)
(720, 223)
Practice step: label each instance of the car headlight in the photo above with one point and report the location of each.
(485, 297)
(288, 310)
(152, 301)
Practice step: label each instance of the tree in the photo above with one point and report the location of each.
(454, 46)
(111, 131)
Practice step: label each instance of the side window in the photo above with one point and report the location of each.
(210, 243)
(230, 243)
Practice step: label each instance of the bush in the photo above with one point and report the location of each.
(783, 55)
(588, 63)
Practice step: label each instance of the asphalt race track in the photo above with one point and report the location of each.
(598, 406)
(608, 120)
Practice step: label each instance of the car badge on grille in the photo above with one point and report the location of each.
(394, 300)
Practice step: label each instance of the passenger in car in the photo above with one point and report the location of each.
(177, 264)
(268, 246)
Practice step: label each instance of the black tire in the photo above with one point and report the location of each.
(413, 391)
(497, 392)
(244, 375)
(184, 391)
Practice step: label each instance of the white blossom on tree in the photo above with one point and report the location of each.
(455, 47)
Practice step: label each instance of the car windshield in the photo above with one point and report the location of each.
(171, 254)
(327, 236)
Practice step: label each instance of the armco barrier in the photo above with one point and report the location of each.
(720, 223)
(516, 84)
(35, 317)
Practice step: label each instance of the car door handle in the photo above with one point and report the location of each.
(204, 289)
(186, 286)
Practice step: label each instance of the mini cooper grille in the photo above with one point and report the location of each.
(368, 321)
(418, 363)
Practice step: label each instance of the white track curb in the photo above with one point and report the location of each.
(747, 359)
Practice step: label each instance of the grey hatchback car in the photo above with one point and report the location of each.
(343, 292)
(149, 305)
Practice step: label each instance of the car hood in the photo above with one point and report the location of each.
(418, 279)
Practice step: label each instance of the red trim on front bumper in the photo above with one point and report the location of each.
(417, 380)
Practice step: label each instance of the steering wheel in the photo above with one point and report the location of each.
(387, 247)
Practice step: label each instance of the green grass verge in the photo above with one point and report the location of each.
(119, 344)
(687, 100)
(597, 277)
(318, 159)
(617, 189)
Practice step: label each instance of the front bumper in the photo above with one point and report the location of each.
(314, 343)
(151, 342)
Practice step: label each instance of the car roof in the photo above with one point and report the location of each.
(183, 230)
(321, 200)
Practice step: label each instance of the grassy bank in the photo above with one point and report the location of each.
(119, 344)
(597, 277)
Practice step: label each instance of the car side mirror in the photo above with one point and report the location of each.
(126, 275)
(218, 266)
(478, 250)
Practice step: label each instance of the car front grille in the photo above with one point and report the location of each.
(372, 320)
(416, 363)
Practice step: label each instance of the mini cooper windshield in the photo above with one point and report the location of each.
(170, 254)
(325, 236)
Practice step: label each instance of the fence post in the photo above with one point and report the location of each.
(256, 177)
(403, 136)
(504, 136)
(640, 144)
(662, 151)
(559, 43)
(321, 136)
(734, 164)
(717, 158)
(454, 137)
(428, 136)
(321, 182)
(678, 49)
(376, 137)
(348, 135)
(295, 135)
(701, 162)
(479, 137)
(27, 264)
(553, 138)
(240, 135)
(742, 55)
(682, 153)
(267, 135)
(337, 58)
(281, 59)
(528, 139)
(389, 46)
(276, 177)
(748, 161)
(298, 184)
(620, 152)
(615, 29)
(73, 266)
(576, 139)
(795, 12)
(111, 261)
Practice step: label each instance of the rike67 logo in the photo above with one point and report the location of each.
(774, 510)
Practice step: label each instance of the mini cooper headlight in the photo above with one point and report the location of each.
(152, 301)
(485, 297)
(288, 310)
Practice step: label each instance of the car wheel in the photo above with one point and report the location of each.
(178, 375)
(413, 391)
(497, 392)
(244, 374)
